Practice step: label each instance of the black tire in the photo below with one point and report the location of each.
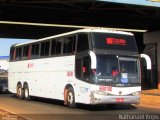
(20, 92)
(71, 98)
(0, 89)
(26, 92)
(111, 106)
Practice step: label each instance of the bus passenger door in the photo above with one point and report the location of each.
(82, 73)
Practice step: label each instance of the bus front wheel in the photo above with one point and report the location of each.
(70, 98)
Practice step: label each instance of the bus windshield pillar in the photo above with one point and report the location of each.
(93, 60)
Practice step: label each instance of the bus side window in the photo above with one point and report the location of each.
(69, 45)
(25, 52)
(12, 54)
(45, 48)
(82, 44)
(53, 47)
(18, 53)
(58, 46)
(35, 51)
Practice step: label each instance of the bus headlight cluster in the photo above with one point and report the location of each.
(98, 92)
(135, 93)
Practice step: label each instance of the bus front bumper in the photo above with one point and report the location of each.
(113, 99)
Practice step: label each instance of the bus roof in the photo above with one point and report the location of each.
(101, 30)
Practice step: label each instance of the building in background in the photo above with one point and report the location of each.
(4, 62)
(5, 44)
(4, 65)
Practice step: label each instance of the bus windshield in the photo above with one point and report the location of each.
(116, 69)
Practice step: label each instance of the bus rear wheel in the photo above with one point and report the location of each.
(71, 98)
(20, 92)
(26, 92)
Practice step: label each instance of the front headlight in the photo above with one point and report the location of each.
(100, 92)
(136, 93)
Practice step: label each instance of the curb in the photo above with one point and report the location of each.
(147, 100)
(147, 106)
(151, 94)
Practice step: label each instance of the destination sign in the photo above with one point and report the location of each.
(115, 41)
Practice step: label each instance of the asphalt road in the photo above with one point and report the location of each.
(47, 109)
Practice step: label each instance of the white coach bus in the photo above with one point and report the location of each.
(89, 66)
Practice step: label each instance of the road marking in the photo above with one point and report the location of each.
(9, 111)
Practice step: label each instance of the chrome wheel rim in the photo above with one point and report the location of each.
(70, 97)
(26, 93)
(19, 91)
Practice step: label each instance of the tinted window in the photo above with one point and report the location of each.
(35, 50)
(106, 64)
(12, 53)
(25, 52)
(86, 69)
(78, 68)
(128, 65)
(83, 67)
(69, 45)
(18, 53)
(114, 42)
(56, 46)
(82, 42)
(53, 47)
(45, 48)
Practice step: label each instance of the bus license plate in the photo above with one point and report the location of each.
(119, 100)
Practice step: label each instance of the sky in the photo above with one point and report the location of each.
(155, 3)
(6, 43)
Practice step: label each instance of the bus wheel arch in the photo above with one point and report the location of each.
(19, 90)
(26, 91)
(69, 96)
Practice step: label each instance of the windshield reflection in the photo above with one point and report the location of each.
(114, 69)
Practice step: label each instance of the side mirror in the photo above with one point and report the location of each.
(148, 60)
